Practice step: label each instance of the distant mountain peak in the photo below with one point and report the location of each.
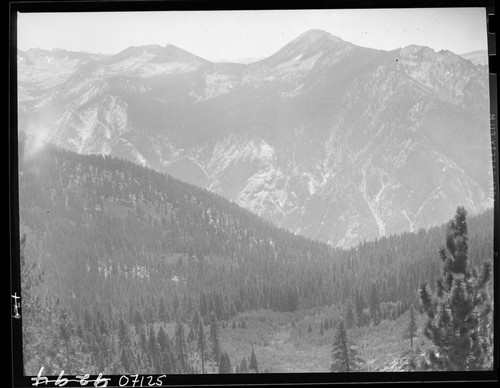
(314, 32)
(172, 53)
(135, 51)
(313, 35)
(413, 52)
(310, 43)
(175, 50)
(414, 49)
(156, 54)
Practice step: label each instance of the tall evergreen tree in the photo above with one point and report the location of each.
(411, 329)
(225, 364)
(203, 304)
(201, 344)
(344, 357)
(214, 338)
(459, 310)
(193, 326)
(374, 305)
(253, 362)
(181, 347)
(153, 350)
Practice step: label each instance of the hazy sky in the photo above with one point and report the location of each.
(216, 35)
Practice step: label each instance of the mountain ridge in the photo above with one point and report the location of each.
(320, 137)
(307, 37)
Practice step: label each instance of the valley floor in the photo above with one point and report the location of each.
(283, 343)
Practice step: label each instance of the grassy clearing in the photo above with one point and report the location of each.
(284, 344)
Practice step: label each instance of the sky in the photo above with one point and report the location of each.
(233, 35)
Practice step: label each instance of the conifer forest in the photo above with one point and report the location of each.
(127, 270)
(271, 192)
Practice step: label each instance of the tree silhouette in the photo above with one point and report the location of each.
(181, 347)
(214, 338)
(253, 362)
(411, 329)
(344, 357)
(459, 310)
(201, 344)
(225, 363)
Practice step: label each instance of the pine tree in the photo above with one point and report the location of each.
(214, 338)
(344, 357)
(153, 350)
(203, 305)
(253, 362)
(181, 346)
(411, 330)
(459, 310)
(194, 325)
(374, 305)
(201, 344)
(228, 364)
(225, 364)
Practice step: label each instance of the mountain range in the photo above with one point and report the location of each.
(330, 140)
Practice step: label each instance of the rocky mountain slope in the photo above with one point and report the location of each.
(333, 141)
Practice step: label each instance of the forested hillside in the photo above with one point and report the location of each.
(115, 254)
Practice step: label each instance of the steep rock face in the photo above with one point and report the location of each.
(41, 72)
(334, 141)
